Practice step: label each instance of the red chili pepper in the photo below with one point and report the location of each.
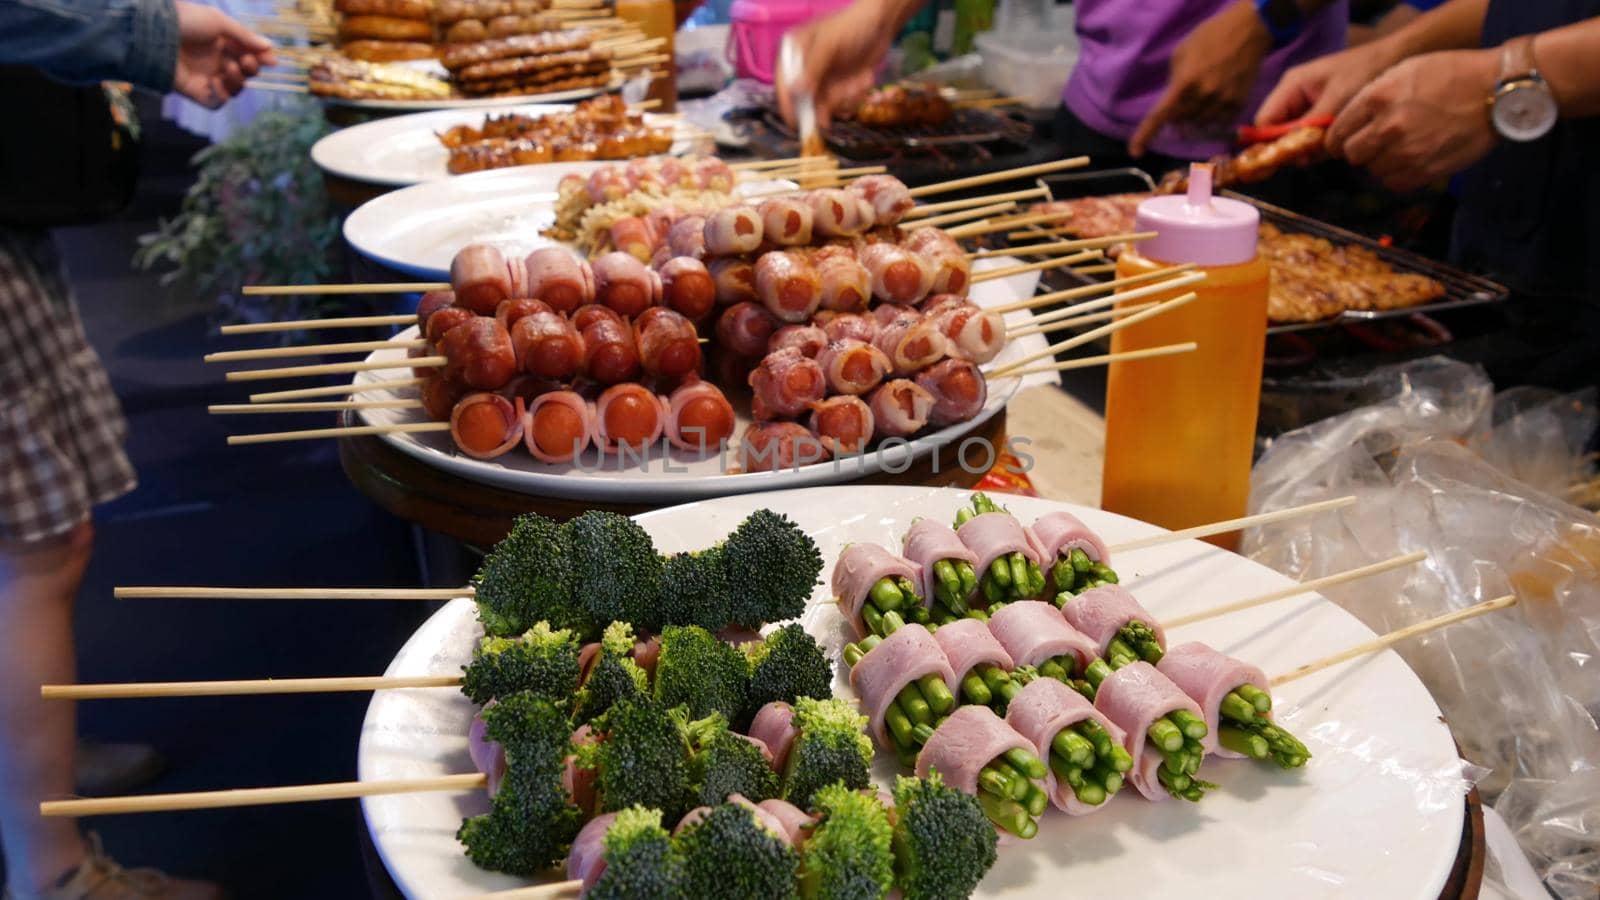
(1260, 134)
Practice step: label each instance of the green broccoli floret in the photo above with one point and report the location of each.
(722, 762)
(613, 676)
(542, 660)
(849, 855)
(640, 759)
(772, 566)
(730, 854)
(531, 821)
(700, 672)
(695, 590)
(640, 859)
(786, 666)
(943, 842)
(617, 574)
(528, 577)
(831, 745)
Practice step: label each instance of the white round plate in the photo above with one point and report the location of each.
(471, 102)
(418, 229)
(669, 475)
(405, 150)
(1376, 814)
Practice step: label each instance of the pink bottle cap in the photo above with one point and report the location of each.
(1197, 227)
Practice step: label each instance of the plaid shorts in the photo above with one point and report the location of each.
(61, 428)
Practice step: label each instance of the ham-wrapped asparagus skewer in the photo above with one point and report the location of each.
(1008, 560)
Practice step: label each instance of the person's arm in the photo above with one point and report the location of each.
(1323, 86)
(1566, 58)
(840, 52)
(93, 40)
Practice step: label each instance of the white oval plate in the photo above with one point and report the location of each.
(417, 230)
(1376, 814)
(668, 475)
(405, 150)
(470, 102)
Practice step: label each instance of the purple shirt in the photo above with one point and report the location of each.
(1126, 46)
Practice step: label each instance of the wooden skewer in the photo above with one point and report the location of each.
(928, 209)
(1082, 244)
(345, 790)
(147, 689)
(1223, 527)
(276, 86)
(641, 61)
(420, 362)
(335, 390)
(548, 891)
(962, 215)
(1304, 587)
(313, 350)
(1396, 636)
(784, 162)
(1034, 234)
(1088, 362)
(994, 177)
(227, 409)
(308, 324)
(1096, 333)
(385, 287)
(1003, 222)
(1085, 319)
(1059, 262)
(1086, 290)
(273, 437)
(311, 593)
(1162, 287)
(1101, 269)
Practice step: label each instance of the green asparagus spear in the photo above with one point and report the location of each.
(1020, 580)
(969, 578)
(899, 725)
(1018, 781)
(1256, 697)
(916, 708)
(994, 783)
(1000, 572)
(1165, 735)
(1025, 762)
(1008, 814)
(886, 595)
(973, 688)
(1190, 724)
(1062, 575)
(1235, 708)
(1073, 747)
(937, 693)
(1036, 801)
(1240, 741)
(1052, 669)
(873, 618)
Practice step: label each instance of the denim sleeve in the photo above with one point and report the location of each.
(93, 40)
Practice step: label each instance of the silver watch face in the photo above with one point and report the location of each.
(1524, 112)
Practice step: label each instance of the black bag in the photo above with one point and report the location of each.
(64, 159)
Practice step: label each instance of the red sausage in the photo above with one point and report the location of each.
(558, 426)
(733, 230)
(623, 284)
(958, 390)
(439, 395)
(842, 424)
(699, 417)
(900, 407)
(785, 385)
(445, 319)
(480, 277)
(687, 237)
(786, 222)
(479, 354)
(547, 345)
(668, 344)
(485, 425)
(735, 279)
(745, 328)
(787, 285)
(509, 312)
(559, 279)
(610, 353)
(898, 275)
(687, 286)
(593, 312)
(627, 415)
(432, 302)
(630, 235)
(779, 445)
(808, 339)
(851, 326)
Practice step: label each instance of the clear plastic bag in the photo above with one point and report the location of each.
(1475, 480)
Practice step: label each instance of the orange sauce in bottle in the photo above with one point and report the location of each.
(1180, 429)
(656, 19)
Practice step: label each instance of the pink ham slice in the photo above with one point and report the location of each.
(1101, 612)
(967, 643)
(1060, 533)
(1133, 697)
(766, 817)
(1207, 675)
(1038, 712)
(901, 658)
(587, 858)
(774, 726)
(860, 567)
(992, 535)
(796, 821)
(967, 741)
(488, 757)
(928, 541)
(1033, 631)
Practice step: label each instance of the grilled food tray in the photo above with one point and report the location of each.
(966, 130)
(1461, 289)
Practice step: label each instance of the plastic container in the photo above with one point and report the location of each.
(1180, 430)
(656, 19)
(1032, 65)
(758, 29)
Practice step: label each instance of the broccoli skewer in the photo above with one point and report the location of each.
(541, 660)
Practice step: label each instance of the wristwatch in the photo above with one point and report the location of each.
(1522, 108)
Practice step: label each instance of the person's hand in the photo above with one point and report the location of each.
(215, 54)
(1421, 120)
(1213, 71)
(839, 53)
(1323, 86)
